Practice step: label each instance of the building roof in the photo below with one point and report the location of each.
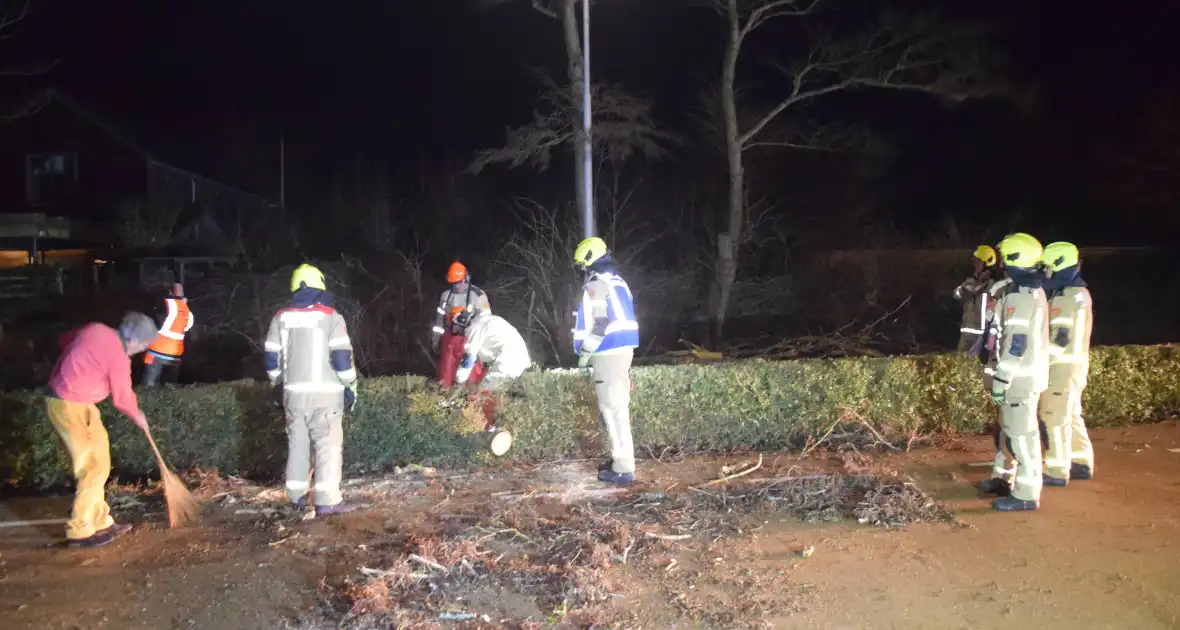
(117, 133)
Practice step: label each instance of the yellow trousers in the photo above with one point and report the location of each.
(81, 430)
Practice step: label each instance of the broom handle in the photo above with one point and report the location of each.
(159, 458)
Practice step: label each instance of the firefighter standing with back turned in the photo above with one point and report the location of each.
(1020, 369)
(973, 294)
(1070, 455)
(309, 362)
(167, 348)
(606, 335)
(447, 334)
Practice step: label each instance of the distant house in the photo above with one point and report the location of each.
(71, 180)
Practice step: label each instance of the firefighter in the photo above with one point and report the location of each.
(309, 362)
(1004, 465)
(1069, 456)
(168, 346)
(606, 334)
(496, 344)
(973, 294)
(1020, 368)
(95, 363)
(447, 334)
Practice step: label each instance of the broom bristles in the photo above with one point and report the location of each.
(182, 506)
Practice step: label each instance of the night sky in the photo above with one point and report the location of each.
(401, 81)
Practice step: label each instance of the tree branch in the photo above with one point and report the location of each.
(775, 9)
(623, 128)
(921, 56)
(544, 9)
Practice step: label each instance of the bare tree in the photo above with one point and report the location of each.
(623, 128)
(13, 15)
(623, 124)
(912, 53)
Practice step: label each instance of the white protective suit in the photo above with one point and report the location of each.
(491, 339)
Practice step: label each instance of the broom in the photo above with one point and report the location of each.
(182, 507)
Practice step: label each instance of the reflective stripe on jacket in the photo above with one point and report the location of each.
(308, 350)
(169, 341)
(451, 304)
(605, 319)
(1021, 363)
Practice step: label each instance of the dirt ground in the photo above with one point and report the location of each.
(547, 547)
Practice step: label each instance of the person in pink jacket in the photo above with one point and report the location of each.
(95, 363)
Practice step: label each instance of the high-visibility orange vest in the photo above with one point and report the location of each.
(169, 341)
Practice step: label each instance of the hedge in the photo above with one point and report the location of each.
(759, 404)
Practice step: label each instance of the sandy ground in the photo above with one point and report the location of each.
(1099, 554)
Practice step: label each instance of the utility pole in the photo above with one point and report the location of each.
(282, 172)
(588, 192)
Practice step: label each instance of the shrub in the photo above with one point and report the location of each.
(689, 408)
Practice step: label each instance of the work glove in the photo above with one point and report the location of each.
(997, 395)
(584, 365)
(276, 395)
(350, 397)
(434, 342)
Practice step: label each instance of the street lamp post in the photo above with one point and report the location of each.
(587, 146)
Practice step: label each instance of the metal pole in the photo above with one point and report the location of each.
(588, 193)
(282, 172)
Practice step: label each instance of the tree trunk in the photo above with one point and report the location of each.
(730, 240)
(573, 52)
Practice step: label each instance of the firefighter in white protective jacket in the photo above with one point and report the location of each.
(493, 342)
(309, 362)
(606, 334)
(1020, 370)
(1070, 456)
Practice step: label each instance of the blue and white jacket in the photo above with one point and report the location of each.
(605, 319)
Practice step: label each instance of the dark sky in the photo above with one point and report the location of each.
(404, 78)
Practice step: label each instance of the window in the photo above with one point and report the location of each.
(50, 178)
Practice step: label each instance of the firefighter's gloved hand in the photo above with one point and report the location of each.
(998, 395)
(276, 395)
(434, 344)
(350, 397)
(583, 361)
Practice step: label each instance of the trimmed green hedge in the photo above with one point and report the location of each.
(717, 407)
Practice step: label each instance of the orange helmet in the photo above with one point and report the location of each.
(457, 272)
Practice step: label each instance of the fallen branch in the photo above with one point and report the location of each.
(667, 536)
(429, 563)
(738, 474)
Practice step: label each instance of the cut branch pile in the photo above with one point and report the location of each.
(516, 565)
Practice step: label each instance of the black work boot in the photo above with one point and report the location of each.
(996, 486)
(1080, 472)
(93, 541)
(1012, 504)
(1053, 481)
(616, 478)
(334, 510)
